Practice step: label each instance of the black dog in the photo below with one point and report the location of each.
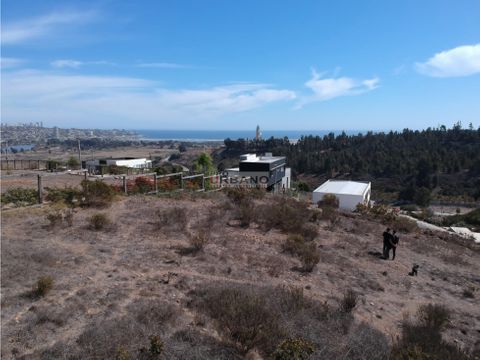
(414, 271)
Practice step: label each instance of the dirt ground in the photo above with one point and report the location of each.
(56, 153)
(100, 275)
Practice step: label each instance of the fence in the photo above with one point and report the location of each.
(23, 164)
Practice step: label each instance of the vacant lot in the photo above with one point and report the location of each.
(145, 278)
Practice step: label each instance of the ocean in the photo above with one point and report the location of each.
(220, 135)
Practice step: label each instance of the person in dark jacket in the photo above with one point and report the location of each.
(387, 243)
(394, 244)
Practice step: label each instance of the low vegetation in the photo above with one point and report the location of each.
(42, 287)
(20, 197)
(281, 322)
(99, 221)
(422, 337)
(97, 194)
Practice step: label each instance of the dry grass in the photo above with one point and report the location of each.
(114, 290)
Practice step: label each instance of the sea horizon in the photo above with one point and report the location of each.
(220, 135)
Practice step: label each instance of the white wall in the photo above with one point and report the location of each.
(345, 201)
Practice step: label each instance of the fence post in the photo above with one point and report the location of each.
(181, 181)
(39, 189)
(155, 184)
(203, 182)
(125, 190)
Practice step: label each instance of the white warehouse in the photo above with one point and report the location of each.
(348, 193)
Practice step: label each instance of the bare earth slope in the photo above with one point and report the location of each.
(103, 276)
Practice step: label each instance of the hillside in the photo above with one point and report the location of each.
(179, 277)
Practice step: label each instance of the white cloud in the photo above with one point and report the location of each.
(8, 63)
(37, 27)
(69, 63)
(123, 101)
(66, 63)
(328, 88)
(459, 61)
(163, 65)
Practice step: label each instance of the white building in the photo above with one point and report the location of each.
(348, 193)
(95, 165)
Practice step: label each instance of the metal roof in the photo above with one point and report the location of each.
(343, 187)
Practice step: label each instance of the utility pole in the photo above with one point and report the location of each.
(79, 154)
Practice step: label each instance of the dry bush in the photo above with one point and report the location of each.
(243, 315)
(265, 317)
(59, 217)
(199, 240)
(331, 215)
(309, 257)
(348, 301)
(285, 214)
(293, 244)
(402, 224)
(422, 338)
(97, 194)
(99, 221)
(366, 343)
(192, 344)
(54, 219)
(469, 293)
(239, 195)
(306, 251)
(43, 285)
(328, 200)
(174, 218)
(245, 213)
(309, 232)
(128, 336)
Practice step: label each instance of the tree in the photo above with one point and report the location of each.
(422, 196)
(204, 164)
(73, 163)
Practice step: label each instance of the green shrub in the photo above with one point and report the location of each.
(20, 196)
(303, 186)
(99, 221)
(42, 286)
(97, 193)
(156, 347)
(69, 195)
(294, 349)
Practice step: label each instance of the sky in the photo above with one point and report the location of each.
(216, 64)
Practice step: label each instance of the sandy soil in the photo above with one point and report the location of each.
(99, 274)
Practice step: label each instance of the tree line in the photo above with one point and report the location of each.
(420, 163)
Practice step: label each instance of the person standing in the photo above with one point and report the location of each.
(395, 241)
(387, 243)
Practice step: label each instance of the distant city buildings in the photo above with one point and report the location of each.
(35, 133)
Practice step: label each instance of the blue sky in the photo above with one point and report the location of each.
(300, 65)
